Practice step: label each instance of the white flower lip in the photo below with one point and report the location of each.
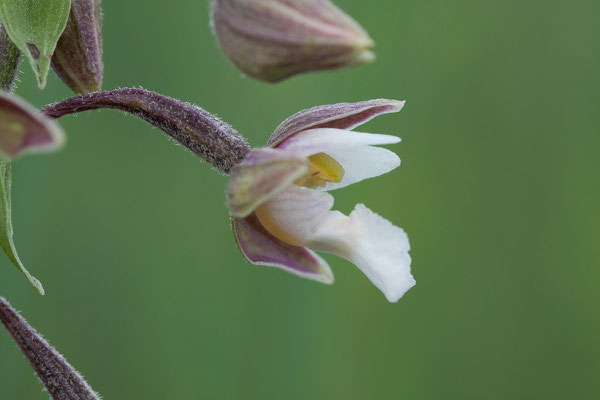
(302, 217)
(377, 247)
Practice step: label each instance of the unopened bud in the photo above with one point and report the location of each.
(23, 129)
(271, 40)
(77, 59)
(35, 27)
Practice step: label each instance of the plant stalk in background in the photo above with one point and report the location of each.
(60, 379)
(10, 57)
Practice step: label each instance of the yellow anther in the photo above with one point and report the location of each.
(322, 169)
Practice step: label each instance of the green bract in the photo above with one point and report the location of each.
(35, 27)
(23, 129)
(6, 229)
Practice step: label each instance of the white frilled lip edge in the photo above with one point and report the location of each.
(370, 242)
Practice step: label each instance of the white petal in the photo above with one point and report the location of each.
(378, 248)
(313, 141)
(292, 214)
(353, 150)
(361, 163)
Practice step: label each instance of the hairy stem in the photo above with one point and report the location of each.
(57, 375)
(200, 131)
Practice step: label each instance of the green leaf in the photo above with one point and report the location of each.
(6, 229)
(35, 27)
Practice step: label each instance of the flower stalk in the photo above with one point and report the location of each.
(203, 133)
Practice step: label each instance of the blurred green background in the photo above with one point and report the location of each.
(498, 190)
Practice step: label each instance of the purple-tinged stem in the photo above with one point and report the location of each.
(57, 375)
(200, 131)
(10, 57)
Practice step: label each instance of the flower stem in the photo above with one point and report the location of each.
(200, 131)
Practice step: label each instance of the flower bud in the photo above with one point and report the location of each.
(271, 40)
(35, 27)
(77, 59)
(23, 129)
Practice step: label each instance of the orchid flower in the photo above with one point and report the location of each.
(278, 195)
(282, 211)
